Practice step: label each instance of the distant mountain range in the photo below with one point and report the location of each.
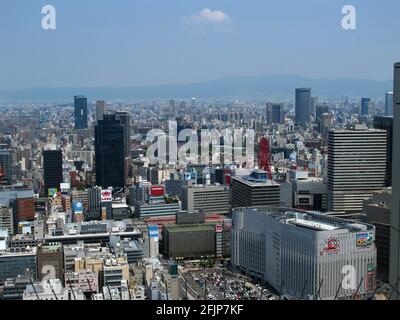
(249, 87)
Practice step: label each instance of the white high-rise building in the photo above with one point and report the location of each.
(356, 167)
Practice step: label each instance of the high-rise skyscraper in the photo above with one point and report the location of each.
(389, 103)
(172, 108)
(386, 123)
(6, 162)
(275, 113)
(110, 152)
(100, 109)
(356, 167)
(125, 120)
(52, 170)
(80, 104)
(365, 106)
(303, 105)
(394, 267)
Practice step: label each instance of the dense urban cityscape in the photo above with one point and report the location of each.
(202, 198)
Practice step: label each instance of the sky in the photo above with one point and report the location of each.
(149, 42)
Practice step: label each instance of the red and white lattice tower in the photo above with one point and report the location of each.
(264, 157)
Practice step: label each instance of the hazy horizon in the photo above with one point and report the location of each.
(98, 43)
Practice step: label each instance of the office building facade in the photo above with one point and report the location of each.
(110, 152)
(394, 267)
(81, 112)
(303, 105)
(386, 123)
(365, 102)
(356, 167)
(254, 191)
(209, 199)
(275, 113)
(52, 171)
(303, 255)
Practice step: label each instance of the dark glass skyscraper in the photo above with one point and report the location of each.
(125, 120)
(303, 105)
(394, 267)
(52, 170)
(80, 104)
(386, 123)
(365, 106)
(110, 152)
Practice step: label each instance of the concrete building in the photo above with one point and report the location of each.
(293, 251)
(209, 199)
(50, 259)
(13, 289)
(254, 190)
(13, 264)
(356, 167)
(53, 290)
(304, 192)
(85, 281)
(6, 219)
(143, 210)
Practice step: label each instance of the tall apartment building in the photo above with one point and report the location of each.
(356, 167)
(208, 198)
(254, 190)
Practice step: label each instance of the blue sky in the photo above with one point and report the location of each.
(144, 42)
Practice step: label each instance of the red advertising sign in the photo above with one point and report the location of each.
(157, 191)
(106, 195)
(218, 228)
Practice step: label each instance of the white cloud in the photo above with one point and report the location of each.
(209, 17)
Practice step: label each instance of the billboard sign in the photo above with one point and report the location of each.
(363, 240)
(106, 195)
(77, 207)
(157, 191)
(153, 231)
(218, 228)
(52, 191)
(331, 245)
(65, 186)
